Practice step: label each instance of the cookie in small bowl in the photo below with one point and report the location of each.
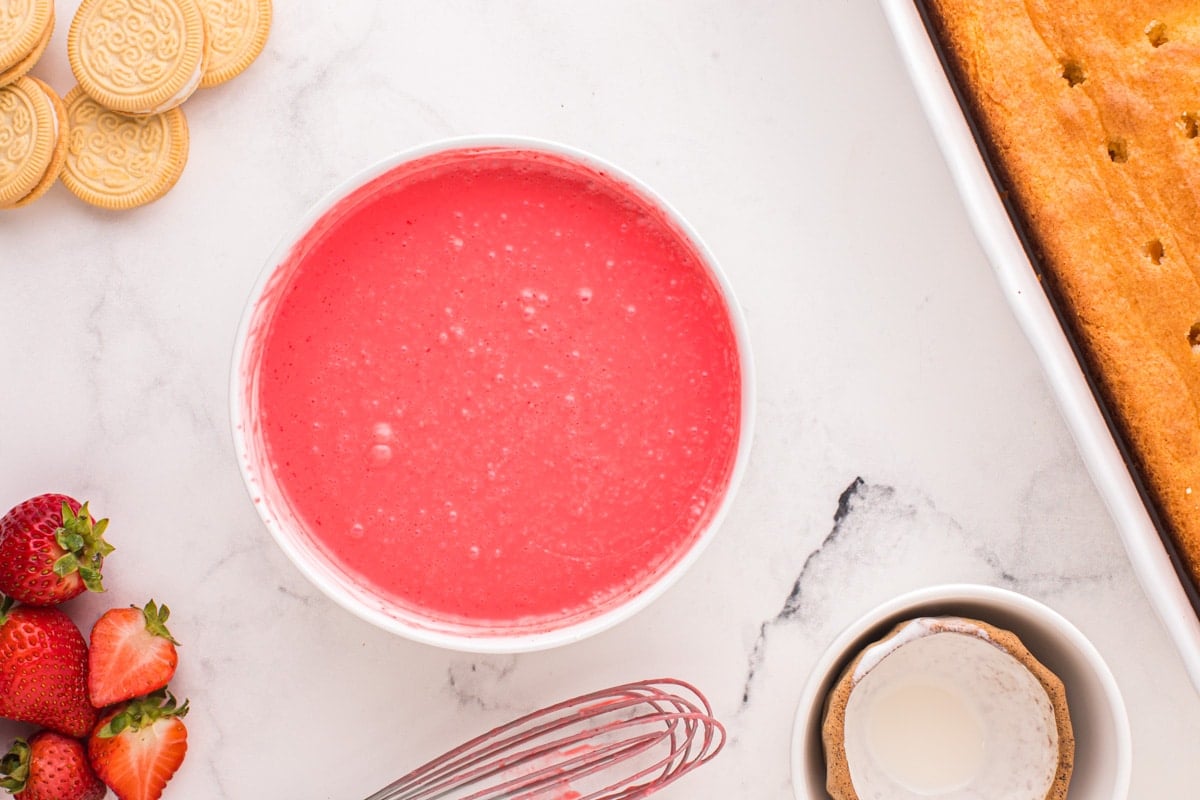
(909, 648)
(947, 707)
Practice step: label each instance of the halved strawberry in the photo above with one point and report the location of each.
(51, 550)
(132, 654)
(43, 669)
(137, 748)
(49, 766)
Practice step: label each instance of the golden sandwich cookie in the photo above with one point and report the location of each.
(59, 155)
(138, 56)
(25, 28)
(237, 32)
(118, 161)
(32, 125)
(23, 66)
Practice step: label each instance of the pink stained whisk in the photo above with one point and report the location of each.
(615, 744)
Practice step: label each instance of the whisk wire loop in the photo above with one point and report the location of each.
(614, 744)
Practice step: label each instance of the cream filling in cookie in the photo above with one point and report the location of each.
(53, 127)
(54, 131)
(178, 97)
(53, 113)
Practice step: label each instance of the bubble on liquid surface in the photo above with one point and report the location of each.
(383, 432)
(379, 455)
(356, 531)
(585, 295)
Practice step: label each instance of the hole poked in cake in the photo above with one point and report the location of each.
(1072, 72)
(1156, 32)
(1154, 251)
(1189, 122)
(1194, 337)
(1118, 151)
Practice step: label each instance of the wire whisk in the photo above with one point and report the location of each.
(615, 744)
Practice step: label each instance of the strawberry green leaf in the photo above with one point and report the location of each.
(142, 712)
(68, 540)
(15, 766)
(114, 726)
(156, 620)
(103, 548)
(66, 564)
(82, 539)
(91, 578)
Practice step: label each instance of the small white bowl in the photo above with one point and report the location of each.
(288, 531)
(1103, 749)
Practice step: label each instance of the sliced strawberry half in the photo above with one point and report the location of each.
(138, 747)
(132, 654)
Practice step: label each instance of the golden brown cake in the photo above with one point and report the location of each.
(1091, 112)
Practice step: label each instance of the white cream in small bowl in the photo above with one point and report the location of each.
(947, 707)
(950, 693)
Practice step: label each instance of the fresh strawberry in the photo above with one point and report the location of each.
(49, 766)
(51, 550)
(43, 669)
(137, 747)
(132, 654)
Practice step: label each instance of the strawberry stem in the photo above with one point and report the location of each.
(156, 620)
(14, 766)
(143, 712)
(83, 541)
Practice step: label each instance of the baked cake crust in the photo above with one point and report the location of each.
(1091, 111)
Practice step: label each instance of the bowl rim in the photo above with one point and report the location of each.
(915, 603)
(333, 583)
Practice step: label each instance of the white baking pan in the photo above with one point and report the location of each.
(1161, 579)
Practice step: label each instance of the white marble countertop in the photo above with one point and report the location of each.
(891, 374)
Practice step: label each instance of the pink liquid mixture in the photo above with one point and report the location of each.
(499, 388)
